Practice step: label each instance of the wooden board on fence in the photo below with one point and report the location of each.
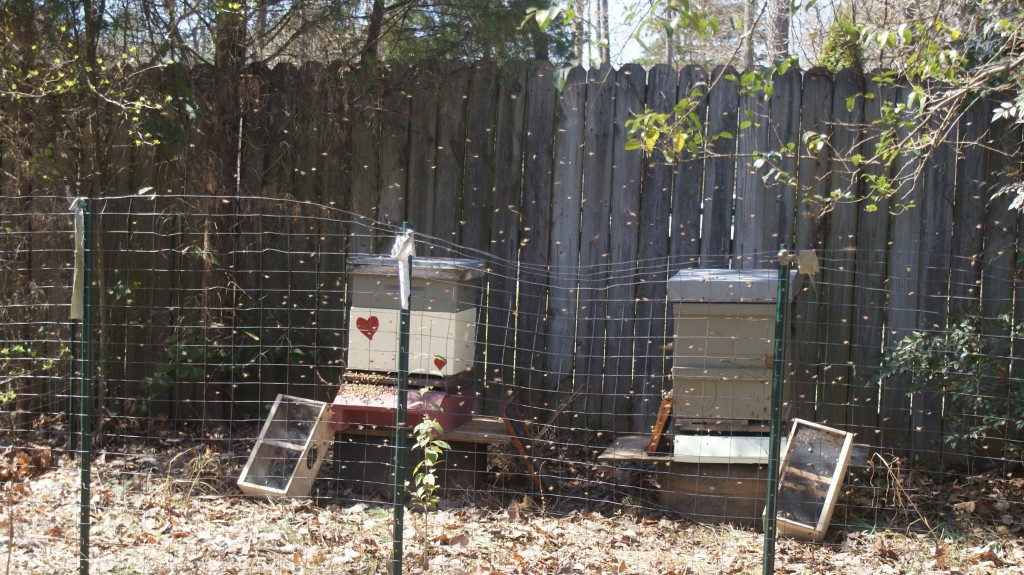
(423, 151)
(335, 167)
(1000, 239)
(624, 240)
(535, 236)
(780, 199)
(869, 305)
(936, 247)
(748, 244)
(812, 177)
(394, 157)
(308, 109)
(840, 251)
(687, 187)
(904, 295)
(504, 239)
(719, 171)
(477, 208)
(365, 175)
(594, 241)
(451, 156)
(652, 345)
(564, 240)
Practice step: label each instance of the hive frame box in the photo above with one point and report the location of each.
(814, 463)
(290, 449)
(443, 315)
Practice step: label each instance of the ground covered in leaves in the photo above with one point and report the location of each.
(173, 508)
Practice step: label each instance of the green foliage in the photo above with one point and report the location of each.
(217, 354)
(428, 434)
(501, 31)
(942, 61)
(842, 49)
(28, 359)
(980, 375)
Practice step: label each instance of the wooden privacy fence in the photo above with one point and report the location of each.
(580, 234)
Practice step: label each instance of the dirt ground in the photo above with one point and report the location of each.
(174, 508)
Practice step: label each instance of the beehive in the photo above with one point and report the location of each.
(290, 449)
(724, 337)
(443, 319)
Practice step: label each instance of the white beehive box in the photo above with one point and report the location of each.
(290, 449)
(724, 337)
(443, 319)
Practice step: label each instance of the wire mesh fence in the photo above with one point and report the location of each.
(561, 388)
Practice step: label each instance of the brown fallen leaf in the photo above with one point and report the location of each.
(882, 550)
(941, 557)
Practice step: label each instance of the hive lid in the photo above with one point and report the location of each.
(726, 286)
(448, 269)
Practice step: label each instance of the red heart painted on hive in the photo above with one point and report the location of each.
(368, 326)
(440, 362)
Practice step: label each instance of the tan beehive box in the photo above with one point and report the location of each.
(721, 393)
(443, 318)
(724, 337)
(290, 449)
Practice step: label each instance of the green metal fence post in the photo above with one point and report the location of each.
(85, 386)
(400, 431)
(779, 353)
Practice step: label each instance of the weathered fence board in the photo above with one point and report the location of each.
(936, 246)
(594, 241)
(393, 158)
(869, 305)
(652, 349)
(720, 170)
(812, 181)
(841, 246)
(624, 239)
(451, 155)
(969, 209)
(510, 129)
(689, 176)
(904, 296)
(477, 204)
(564, 243)
(535, 234)
(422, 153)
(751, 217)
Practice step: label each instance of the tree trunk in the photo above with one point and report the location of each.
(778, 29)
(374, 30)
(748, 35)
(604, 37)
